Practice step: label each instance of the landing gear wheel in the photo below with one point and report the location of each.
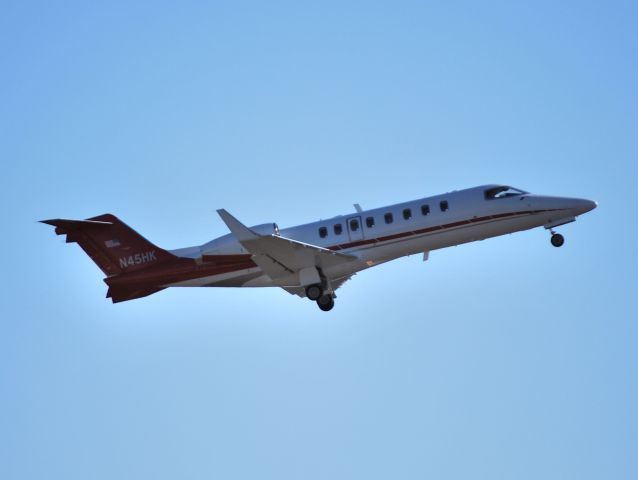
(325, 302)
(313, 292)
(557, 240)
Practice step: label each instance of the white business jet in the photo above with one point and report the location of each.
(313, 260)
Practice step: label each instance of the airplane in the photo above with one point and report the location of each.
(315, 259)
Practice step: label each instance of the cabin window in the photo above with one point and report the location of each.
(388, 218)
(338, 229)
(354, 225)
(370, 222)
(425, 209)
(323, 232)
(407, 213)
(444, 206)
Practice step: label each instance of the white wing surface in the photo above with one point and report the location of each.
(279, 257)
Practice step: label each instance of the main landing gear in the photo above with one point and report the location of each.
(557, 239)
(324, 299)
(313, 292)
(326, 302)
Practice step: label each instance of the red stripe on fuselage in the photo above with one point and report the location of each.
(164, 275)
(431, 229)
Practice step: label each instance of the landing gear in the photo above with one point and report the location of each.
(326, 302)
(313, 292)
(557, 239)
(322, 293)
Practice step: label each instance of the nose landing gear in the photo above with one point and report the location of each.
(557, 239)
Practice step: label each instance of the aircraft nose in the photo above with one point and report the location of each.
(582, 205)
(589, 205)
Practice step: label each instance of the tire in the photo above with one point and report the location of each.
(325, 303)
(313, 292)
(558, 240)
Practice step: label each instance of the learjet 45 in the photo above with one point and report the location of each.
(313, 260)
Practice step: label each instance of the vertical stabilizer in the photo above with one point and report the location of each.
(114, 246)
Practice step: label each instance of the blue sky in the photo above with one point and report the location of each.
(501, 359)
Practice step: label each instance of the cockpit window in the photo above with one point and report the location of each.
(502, 192)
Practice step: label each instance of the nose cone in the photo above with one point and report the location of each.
(569, 205)
(584, 206)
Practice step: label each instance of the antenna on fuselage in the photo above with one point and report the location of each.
(358, 208)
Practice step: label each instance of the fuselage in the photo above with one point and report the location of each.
(382, 234)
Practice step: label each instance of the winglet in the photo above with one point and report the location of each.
(241, 231)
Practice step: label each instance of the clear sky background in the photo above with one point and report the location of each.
(495, 360)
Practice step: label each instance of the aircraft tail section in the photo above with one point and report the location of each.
(114, 246)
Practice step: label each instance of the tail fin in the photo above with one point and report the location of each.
(114, 246)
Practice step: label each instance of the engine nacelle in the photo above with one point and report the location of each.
(266, 229)
(229, 245)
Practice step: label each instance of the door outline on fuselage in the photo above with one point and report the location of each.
(357, 234)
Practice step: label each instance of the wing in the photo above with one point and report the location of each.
(282, 258)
